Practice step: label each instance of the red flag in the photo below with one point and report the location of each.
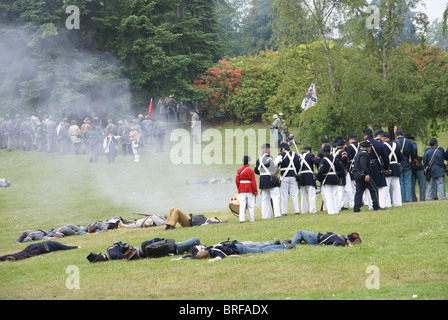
(150, 110)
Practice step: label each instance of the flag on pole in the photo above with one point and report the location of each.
(310, 98)
(150, 110)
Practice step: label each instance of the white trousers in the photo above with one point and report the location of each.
(289, 186)
(246, 199)
(393, 183)
(308, 193)
(383, 196)
(353, 192)
(342, 198)
(330, 196)
(349, 192)
(266, 196)
(367, 199)
(136, 152)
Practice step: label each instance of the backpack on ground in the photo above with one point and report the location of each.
(157, 247)
(197, 220)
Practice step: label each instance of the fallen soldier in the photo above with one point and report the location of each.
(329, 238)
(36, 249)
(176, 216)
(31, 235)
(70, 229)
(65, 231)
(103, 226)
(234, 249)
(146, 222)
(153, 248)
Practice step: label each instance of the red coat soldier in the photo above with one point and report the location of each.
(247, 189)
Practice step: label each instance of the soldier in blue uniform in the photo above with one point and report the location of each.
(269, 183)
(433, 160)
(324, 142)
(307, 180)
(392, 150)
(36, 249)
(289, 163)
(380, 161)
(330, 171)
(408, 158)
(344, 188)
(418, 174)
(362, 174)
(351, 149)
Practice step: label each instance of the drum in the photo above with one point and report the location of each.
(234, 205)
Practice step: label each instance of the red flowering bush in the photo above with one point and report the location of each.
(219, 83)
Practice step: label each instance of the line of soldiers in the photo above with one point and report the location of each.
(41, 132)
(377, 172)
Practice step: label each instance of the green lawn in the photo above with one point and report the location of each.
(407, 246)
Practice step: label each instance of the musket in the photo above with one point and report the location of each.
(295, 145)
(36, 133)
(142, 214)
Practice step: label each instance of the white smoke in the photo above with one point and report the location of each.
(76, 82)
(51, 74)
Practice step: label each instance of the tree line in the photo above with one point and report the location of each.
(268, 51)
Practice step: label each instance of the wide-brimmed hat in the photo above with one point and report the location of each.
(93, 257)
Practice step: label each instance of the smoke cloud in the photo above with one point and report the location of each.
(46, 71)
(51, 74)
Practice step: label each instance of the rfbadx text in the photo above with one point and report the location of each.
(226, 309)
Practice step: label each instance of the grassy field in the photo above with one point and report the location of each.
(407, 246)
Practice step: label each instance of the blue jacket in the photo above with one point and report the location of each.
(394, 158)
(407, 150)
(327, 175)
(266, 181)
(438, 164)
(377, 154)
(331, 238)
(284, 162)
(307, 176)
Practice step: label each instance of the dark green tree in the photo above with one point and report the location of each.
(164, 44)
(257, 30)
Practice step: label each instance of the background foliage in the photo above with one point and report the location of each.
(127, 52)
